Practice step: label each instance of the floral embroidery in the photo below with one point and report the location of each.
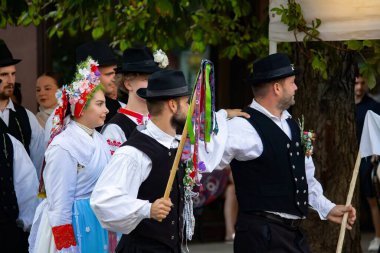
(113, 145)
(64, 236)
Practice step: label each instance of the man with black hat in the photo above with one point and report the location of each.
(19, 187)
(137, 65)
(128, 195)
(103, 54)
(273, 173)
(18, 121)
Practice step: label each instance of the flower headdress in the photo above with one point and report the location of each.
(77, 94)
(161, 58)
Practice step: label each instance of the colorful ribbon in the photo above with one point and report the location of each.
(201, 125)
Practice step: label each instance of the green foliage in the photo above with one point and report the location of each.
(10, 11)
(292, 16)
(231, 25)
(319, 63)
(369, 52)
(369, 72)
(168, 24)
(240, 31)
(322, 56)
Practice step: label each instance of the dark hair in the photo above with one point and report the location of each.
(357, 70)
(155, 106)
(55, 76)
(17, 93)
(259, 90)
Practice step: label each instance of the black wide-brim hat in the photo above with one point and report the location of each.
(272, 67)
(100, 51)
(165, 84)
(6, 57)
(137, 60)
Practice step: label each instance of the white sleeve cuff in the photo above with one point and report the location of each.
(223, 113)
(145, 211)
(324, 207)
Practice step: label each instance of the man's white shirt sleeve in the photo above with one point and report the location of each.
(244, 143)
(25, 183)
(114, 198)
(37, 142)
(316, 198)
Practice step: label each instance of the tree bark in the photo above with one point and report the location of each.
(328, 108)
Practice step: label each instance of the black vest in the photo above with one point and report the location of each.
(169, 231)
(124, 122)
(275, 181)
(112, 106)
(19, 126)
(8, 200)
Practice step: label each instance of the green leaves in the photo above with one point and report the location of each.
(319, 63)
(97, 32)
(291, 15)
(369, 52)
(164, 8)
(369, 73)
(354, 45)
(166, 24)
(320, 57)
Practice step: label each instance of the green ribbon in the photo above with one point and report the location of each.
(207, 111)
(190, 129)
(208, 105)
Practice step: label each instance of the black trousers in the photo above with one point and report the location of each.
(136, 244)
(255, 234)
(13, 239)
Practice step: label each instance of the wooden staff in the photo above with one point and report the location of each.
(179, 153)
(348, 202)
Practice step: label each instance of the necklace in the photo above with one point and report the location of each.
(89, 131)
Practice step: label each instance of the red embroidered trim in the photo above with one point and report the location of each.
(113, 143)
(139, 117)
(64, 236)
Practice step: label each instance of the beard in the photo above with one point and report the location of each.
(178, 121)
(285, 103)
(7, 91)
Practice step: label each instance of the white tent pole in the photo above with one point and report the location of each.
(272, 47)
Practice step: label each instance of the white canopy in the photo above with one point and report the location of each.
(341, 20)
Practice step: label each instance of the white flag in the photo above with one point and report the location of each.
(370, 140)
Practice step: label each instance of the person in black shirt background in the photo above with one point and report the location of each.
(364, 103)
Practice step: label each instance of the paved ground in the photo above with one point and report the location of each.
(228, 248)
(366, 238)
(211, 248)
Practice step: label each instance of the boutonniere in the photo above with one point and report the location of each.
(161, 59)
(307, 138)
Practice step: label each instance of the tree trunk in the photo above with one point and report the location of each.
(328, 108)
